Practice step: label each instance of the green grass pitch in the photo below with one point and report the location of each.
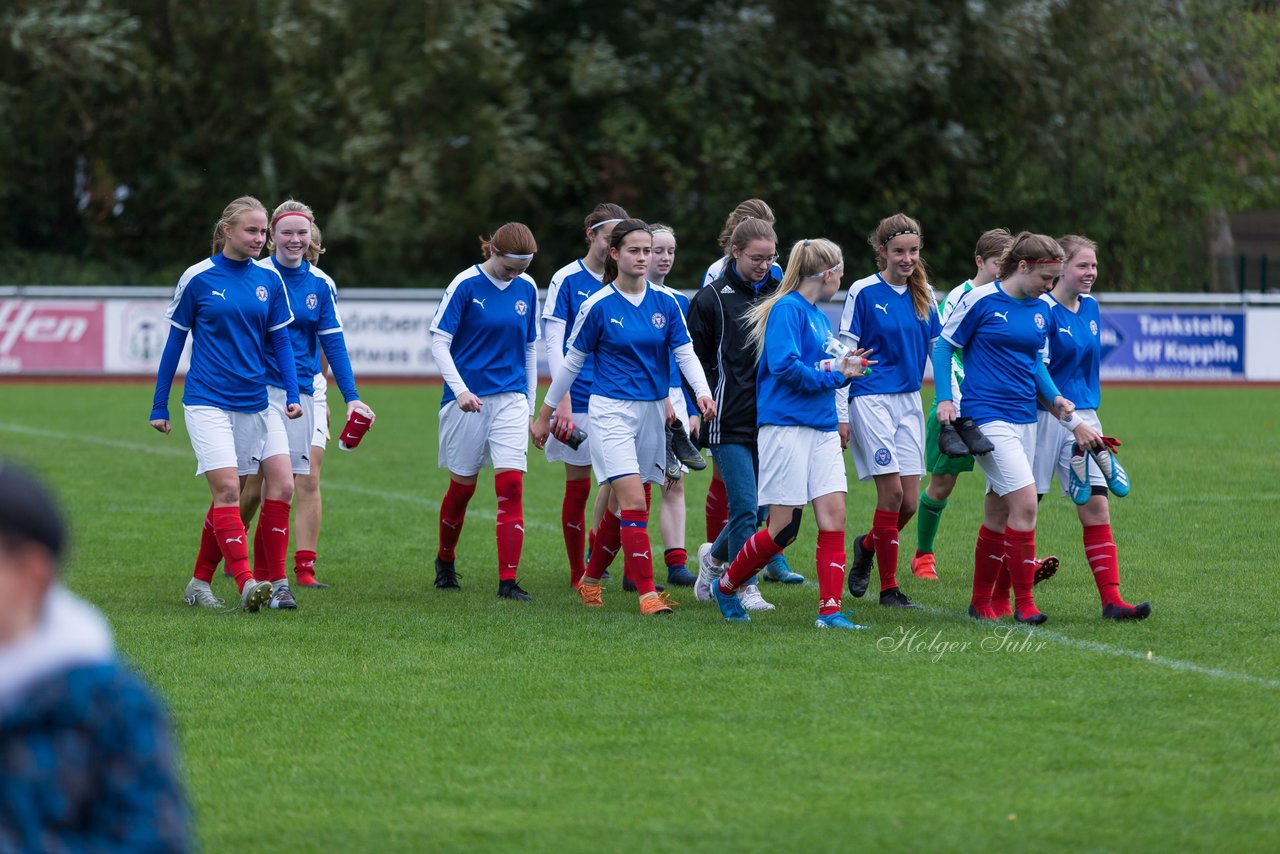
(386, 715)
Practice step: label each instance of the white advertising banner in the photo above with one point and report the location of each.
(389, 338)
(133, 337)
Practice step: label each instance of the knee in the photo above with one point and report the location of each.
(790, 531)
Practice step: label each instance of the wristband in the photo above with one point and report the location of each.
(1073, 422)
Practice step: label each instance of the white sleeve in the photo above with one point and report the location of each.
(553, 334)
(531, 372)
(692, 370)
(842, 405)
(440, 342)
(563, 379)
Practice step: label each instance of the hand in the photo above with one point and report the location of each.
(695, 423)
(161, 424)
(1063, 408)
(707, 407)
(540, 429)
(468, 402)
(946, 412)
(563, 412)
(1087, 437)
(857, 363)
(843, 430)
(671, 412)
(293, 410)
(361, 407)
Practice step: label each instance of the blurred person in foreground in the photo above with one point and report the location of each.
(86, 755)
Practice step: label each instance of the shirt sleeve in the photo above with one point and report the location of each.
(452, 310)
(781, 355)
(182, 308)
(850, 327)
(279, 312)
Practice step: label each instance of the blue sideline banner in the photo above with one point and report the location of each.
(1172, 344)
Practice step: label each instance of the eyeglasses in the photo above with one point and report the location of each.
(761, 260)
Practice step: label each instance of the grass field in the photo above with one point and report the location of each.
(387, 715)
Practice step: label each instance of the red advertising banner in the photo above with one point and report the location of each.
(50, 336)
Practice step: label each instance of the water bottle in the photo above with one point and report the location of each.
(838, 351)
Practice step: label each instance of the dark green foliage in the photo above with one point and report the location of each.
(413, 128)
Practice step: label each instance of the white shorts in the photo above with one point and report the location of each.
(1010, 466)
(298, 430)
(498, 434)
(559, 452)
(799, 464)
(886, 434)
(628, 437)
(1053, 451)
(239, 440)
(320, 420)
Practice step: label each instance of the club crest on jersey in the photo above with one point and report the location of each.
(262, 293)
(1039, 320)
(521, 307)
(312, 302)
(659, 320)
(883, 457)
(1093, 327)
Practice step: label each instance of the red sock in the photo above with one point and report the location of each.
(208, 557)
(884, 539)
(229, 530)
(274, 516)
(573, 521)
(304, 565)
(1000, 591)
(831, 558)
(675, 557)
(756, 552)
(510, 489)
(1104, 560)
(1020, 557)
(987, 555)
(259, 553)
(608, 539)
(453, 511)
(636, 553)
(717, 509)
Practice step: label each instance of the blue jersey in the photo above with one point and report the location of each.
(312, 296)
(882, 317)
(492, 326)
(1002, 338)
(1076, 352)
(230, 308)
(789, 389)
(571, 286)
(631, 342)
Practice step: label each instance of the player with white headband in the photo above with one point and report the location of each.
(484, 340)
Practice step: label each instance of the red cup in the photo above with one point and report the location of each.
(357, 425)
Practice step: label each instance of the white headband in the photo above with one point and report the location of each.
(517, 257)
(603, 224)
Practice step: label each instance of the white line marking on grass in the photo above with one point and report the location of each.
(1136, 655)
(142, 447)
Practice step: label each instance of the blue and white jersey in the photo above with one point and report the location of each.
(1075, 353)
(632, 341)
(790, 391)
(571, 286)
(882, 317)
(1002, 338)
(716, 271)
(230, 308)
(683, 302)
(313, 298)
(492, 324)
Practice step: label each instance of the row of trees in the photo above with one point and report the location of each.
(126, 125)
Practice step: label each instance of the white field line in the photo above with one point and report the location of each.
(1136, 655)
(430, 504)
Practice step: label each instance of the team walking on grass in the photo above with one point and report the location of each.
(751, 370)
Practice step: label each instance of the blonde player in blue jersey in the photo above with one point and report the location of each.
(570, 287)
(1077, 451)
(630, 328)
(484, 340)
(891, 312)
(801, 461)
(234, 310)
(316, 325)
(1002, 328)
